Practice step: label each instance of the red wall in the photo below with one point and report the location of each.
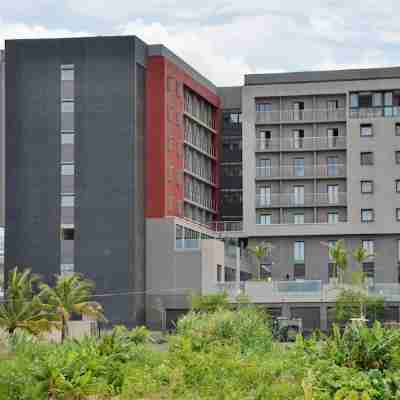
(165, 136)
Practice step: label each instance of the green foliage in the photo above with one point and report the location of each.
(209, 303)
(338, 254)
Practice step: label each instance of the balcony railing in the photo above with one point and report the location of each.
(308, 171)
(309, 115)
(307, 143)
(227, 226)
(209, 204)
(375, 112)
(295, 200)
(201, 175)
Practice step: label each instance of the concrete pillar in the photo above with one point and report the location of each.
(324, 317)
(286, 310)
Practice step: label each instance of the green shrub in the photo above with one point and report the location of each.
(209, 303)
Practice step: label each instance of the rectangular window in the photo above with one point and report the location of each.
(332, 105)
(263, 107)
(299, 219)
(67, 82)
(219, 273)
(397, 186)
(398, 214)
(264, 219)
(333, 134)
(331, 245)
(298, 251)
(299, 166)
(333, 194)
(367, 187)
(67, 138)
(67, 233)
(264, 196)
(367, 158)
(397, 129)
(67, 269)
(67, 169)
(67, 116)
(367, 215)
(369, 269)
(298, 138)
(264, 139)
(298, 195)
(365, 100)
(369, 247)
(354, 100)
(332, 166)
(298, 110)
(299, 271)
(365, 130)
(263, 167)
(397, 156)
(333, 217)
(67, 201)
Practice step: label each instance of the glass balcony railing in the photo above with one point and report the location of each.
(307, 171)
(375, 112)
(295, 200)
(307, 143)
(309, 115)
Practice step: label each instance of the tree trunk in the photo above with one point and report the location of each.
(62, 329)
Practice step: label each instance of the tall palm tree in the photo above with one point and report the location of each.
(71, 295)
(259, 252)
(22, 308)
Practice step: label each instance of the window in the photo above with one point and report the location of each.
(367, 187)
(67, 169)
(299, 166)
(332, 105)
(179, 242)
(264, 196)
(234, 118)
(298, 251)
(298, 195)
(354, 100)
(299, 219)
(332, 163)
(299, 271)
(333, 217)
(397, 129)
(67, 201)
(369, 247)
(67, 233)
(398, 214)
(397, 187)
(331, 245)
(67, 138)
(333, 194)
(67, 82)
(397, 156)
(365, 130)
(219, 273)
(265, 271)
(264, 219)
(263, 139)
(66, 269)
(298, 138)
(298, 109)
(333, 134)
(67, 116)
(398, 250)
(367, 215)
(365, 100)
(263, 167)
(367, 158)
(369, 269)
(263, 107)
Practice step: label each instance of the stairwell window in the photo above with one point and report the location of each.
(299, 251)
(367, 187)
(366, 130)
(397, 156)
(367, 158)
(367, 215)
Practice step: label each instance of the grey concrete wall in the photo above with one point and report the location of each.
(2, 136)
(109, 187)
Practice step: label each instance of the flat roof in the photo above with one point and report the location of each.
(322, 76)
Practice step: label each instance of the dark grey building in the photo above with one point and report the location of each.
(74, 169)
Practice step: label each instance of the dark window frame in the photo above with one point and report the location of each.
(369, 220)
(365, 153)
(371, 134)
(367, 182)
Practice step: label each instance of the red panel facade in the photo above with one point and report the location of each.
(165, 136)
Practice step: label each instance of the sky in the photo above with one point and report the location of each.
(226, 39)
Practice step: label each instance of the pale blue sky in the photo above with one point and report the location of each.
(225, 39)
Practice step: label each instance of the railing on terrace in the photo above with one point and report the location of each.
(308, 171)
(375, 112)
(307, 143)
(309, 115)
(293, 200)
(303, 290)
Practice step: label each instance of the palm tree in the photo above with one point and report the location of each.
(338, 255)
(71, 295)
(259, 252)
(22, 308)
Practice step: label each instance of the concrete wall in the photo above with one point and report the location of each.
(109, 186)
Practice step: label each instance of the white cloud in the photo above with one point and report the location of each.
(26, 31)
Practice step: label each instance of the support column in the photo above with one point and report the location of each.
(324, 317)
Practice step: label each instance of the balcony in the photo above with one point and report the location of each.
(298, 172)
(227, 226)
(207, 204)
(306, 200)
(296, 116)
(201, 175)
(375, 112)
(301, 144)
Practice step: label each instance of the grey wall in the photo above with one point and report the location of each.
(2, 134)
(109, 187)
